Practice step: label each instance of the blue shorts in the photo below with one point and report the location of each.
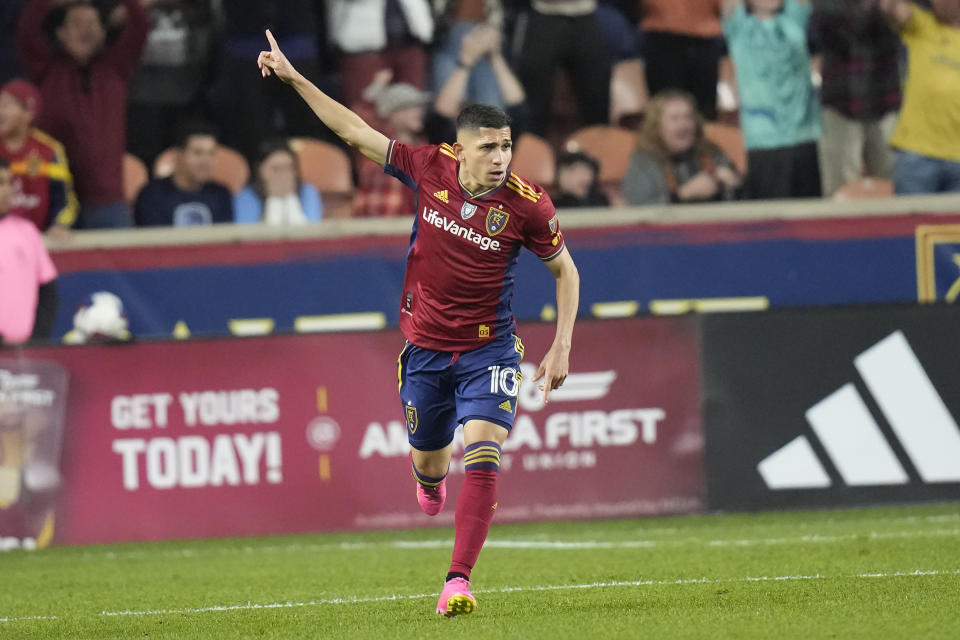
(440, 389)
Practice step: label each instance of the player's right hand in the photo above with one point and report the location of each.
(274, 62)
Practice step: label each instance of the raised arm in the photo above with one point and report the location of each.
(474, 46)
(555, 365)
(36, 53)
(128, 46)
(510, 87)
(342, 121)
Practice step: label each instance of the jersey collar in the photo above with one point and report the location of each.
(484, 193)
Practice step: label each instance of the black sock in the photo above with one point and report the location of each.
(456, 574)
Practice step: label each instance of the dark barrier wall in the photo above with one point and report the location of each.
(770, 263)
(832, 407)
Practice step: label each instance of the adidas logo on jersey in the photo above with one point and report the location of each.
(442, 196)
(506, 406)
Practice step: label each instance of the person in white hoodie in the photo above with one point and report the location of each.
(371, 35)
(277, 195)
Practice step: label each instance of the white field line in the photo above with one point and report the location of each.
(250, 606)
(493, 543)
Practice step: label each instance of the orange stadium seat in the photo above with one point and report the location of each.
(865, 188)
(230, 168)
(534, 160)
(134, 177)
(328, 168)
(730, 139)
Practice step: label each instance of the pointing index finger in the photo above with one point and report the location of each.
(273, 41)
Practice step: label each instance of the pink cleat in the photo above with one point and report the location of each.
(431, 499)
(455, 599)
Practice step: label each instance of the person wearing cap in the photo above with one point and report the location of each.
(84, 78)
(42, 184)
(401, 110)
(577, 182)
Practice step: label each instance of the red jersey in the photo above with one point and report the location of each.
(42, 185)
(463, 250)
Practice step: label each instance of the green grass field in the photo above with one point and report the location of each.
(870, 573)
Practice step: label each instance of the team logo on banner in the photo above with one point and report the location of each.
(467, 210)
(412, 421)
(496, 221)
(938, 262)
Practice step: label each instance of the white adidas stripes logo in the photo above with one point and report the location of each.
(854, 442)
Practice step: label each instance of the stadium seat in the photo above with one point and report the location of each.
(534, 160)
(610, 146)
(328, 168)
(865, 188)
(134, 177)
(730, 139)
(230, 168)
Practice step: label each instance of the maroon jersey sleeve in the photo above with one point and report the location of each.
(407, 163)
(542, 233)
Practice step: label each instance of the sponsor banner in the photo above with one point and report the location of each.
(294, 433)
(297, 284)
(33, 396)
(832, 407)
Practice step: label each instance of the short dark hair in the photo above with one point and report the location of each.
(59, 15)
(193, 127)
(570, 158)
(482, 116)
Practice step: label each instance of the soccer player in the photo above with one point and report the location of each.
(461, 360)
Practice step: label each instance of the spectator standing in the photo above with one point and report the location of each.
(28, 279)
(674, 162)
(927, 138)
(565, 34)
(860, 92)
(251, 111)
(779, 109)
(278, 195)
(371, 35)
(176, 69)
(187, 197)
(481, 46)
(42, 184)
(455, 20)
(84, 83)
(683, 45)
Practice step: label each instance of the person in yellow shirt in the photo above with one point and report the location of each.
(927, 138)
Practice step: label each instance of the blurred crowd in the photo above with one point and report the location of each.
(117, 113)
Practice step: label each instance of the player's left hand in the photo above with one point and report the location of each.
(553, 370)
